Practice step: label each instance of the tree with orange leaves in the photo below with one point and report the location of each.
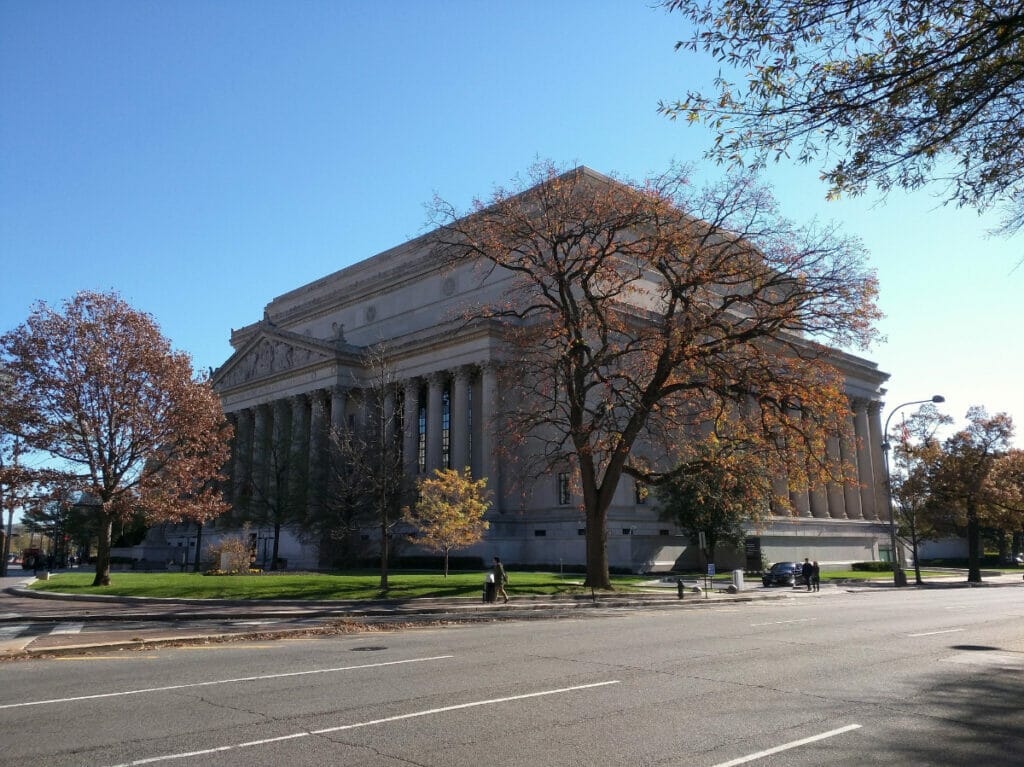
(640, 319)
(119, 412)
(449, 512)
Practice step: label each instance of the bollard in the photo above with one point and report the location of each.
(680, 588)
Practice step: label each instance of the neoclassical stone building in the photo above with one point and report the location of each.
(299, 372)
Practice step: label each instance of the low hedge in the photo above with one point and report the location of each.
(872, 567)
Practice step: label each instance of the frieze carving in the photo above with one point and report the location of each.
(269, 356)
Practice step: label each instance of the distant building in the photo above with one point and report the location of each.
(298, 372)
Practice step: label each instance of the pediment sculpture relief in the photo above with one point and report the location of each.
(269, 356)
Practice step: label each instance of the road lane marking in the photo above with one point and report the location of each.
(932, 633)
(369, 723)
(68, 628)
(11, 640)
(777, 623)
(222, 681)
(785, 746)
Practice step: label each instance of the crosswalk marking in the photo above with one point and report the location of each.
(68, 628)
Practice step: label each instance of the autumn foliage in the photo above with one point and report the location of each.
(449, 511)
(640, 319)
(119, 412)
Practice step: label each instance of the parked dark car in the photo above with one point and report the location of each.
(784, 574)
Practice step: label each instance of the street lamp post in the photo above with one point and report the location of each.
(898, 576)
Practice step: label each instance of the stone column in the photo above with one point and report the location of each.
(317, 486)
(489, 431)
(243, 454)
(411, 427)
(459, 438)
(877, 462)
(865, 468)
(228, 483)
(848, 455)
(260, 440)
(280, 455)
(298, 460)
(435, 390)
(339, 406)
(836, 497)
(799, 495)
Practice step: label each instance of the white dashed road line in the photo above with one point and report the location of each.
(933, 633)
(220, 681)
(370, 723)
(779, 623)
(785, 746)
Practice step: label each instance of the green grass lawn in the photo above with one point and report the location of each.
(866, 575)
(361, 585)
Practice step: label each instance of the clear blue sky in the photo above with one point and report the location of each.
(204, 157)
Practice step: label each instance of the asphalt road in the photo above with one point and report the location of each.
(896, 677)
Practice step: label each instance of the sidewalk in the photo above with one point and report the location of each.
(41, 616)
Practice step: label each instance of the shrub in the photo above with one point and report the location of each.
(872, 567)
(236, 547)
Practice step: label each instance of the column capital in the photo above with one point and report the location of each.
(463, 372)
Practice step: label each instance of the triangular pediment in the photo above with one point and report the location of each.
(271, 352)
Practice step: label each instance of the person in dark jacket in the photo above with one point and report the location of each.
(806, 572)
(815, 575)
(500, 578)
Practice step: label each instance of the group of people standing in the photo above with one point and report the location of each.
(812, 575)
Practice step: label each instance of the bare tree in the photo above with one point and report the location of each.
(641, 319)
(366, 482)
(119, 413)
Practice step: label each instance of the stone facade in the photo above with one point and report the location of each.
(298, 372)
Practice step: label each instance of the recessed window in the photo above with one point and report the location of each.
(563, 489)
(582, 531)
(627, 531)
(540, 533)
(663, 532)
(640, 492)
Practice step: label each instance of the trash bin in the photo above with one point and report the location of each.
(490, 590)
(737, 579)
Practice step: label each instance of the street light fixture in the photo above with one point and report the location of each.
(898, 576)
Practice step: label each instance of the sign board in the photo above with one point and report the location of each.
(752, 548)
(711, 568)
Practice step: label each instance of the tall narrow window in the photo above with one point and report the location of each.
(563, 489)
(421, 437)
(446, 429)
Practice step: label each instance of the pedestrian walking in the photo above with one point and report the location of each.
(500, 578)
(806, 572)
(816, 575)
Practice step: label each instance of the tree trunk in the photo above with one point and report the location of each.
(383, 553)
(446, 563)
(276, 547)
(7, 531)
(917, 560)
(199, 546)
(973, 544)
(597, 550)
(104, 531)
